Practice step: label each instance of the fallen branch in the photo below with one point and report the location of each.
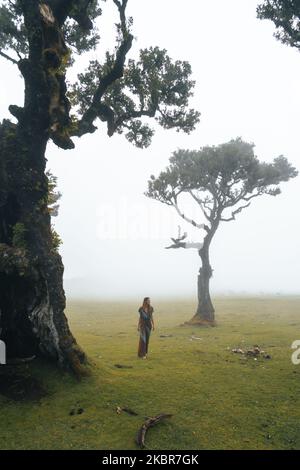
(255, 352)
(141, 435)
(126, 410)
(193, 337)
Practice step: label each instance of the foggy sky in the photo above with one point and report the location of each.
(247, 85)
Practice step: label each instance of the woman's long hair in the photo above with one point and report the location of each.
(145, 302)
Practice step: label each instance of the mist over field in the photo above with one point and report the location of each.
(114, 237)
(247, 84)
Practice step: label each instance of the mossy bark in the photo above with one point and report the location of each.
(32, 299)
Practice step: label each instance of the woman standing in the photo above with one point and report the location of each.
(146, 324)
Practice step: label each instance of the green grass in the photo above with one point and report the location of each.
(218, 399)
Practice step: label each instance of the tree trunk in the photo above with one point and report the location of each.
(205, 313)
(32, 299)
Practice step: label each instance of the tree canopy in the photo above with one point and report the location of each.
(220, 179)
(120, 92)
(285, 14)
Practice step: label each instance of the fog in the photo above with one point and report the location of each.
(247, 85)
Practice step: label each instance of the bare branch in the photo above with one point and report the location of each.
(259, 193)
(179, 243)
(187, 219)
(242, 197)
(7, 57)
(186, 245)
(233, 214)
(201, 204)
(140, 439)
(214, 190)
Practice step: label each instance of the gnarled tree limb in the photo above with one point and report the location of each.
(202, 206)
(233, 214)
(76, 9)
(179, 243)
(150, 422)
(97, 108)
(187, 219)
(7, 57)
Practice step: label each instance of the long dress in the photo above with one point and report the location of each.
(145, 330)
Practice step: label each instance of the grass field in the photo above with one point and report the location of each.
(218, 399)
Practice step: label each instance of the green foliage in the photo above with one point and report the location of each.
(19, 236)
(139, 134)
(118, 91)
(220, 177)
(12, 29)
(153, 84)
(53, 195)
(285, 14)
(56, 240)
(82, 41)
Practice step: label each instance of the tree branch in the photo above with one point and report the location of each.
(7, 57)
(102, 110)
(135, 114)
(76, 9)
(185, 245)
(209, 217)
(190, 221)
(233, 214)
(242, 197)
(179, 243)
(259, 193)
(122, 4)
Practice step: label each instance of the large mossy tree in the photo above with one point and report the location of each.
(222, 180)
(43, 39)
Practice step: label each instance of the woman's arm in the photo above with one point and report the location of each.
(152, 321)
